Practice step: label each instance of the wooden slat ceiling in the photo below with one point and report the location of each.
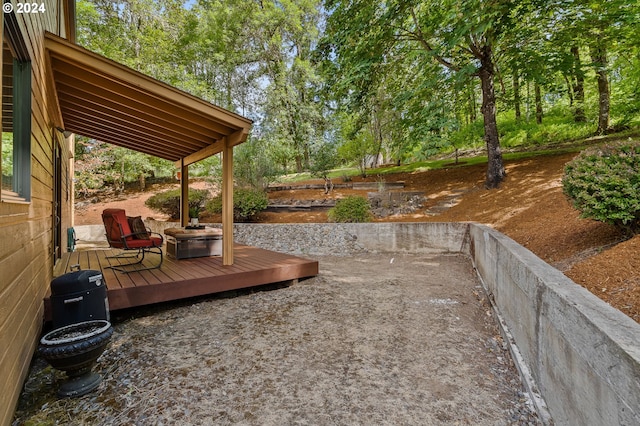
(107, 101)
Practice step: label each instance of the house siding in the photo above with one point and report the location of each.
(26, 230)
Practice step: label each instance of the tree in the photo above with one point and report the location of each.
(290, 32)
(98, 164)
(253, 167)
(599, 27)
(224, 56)
(251, 57)
(324, 159)
(358, 149)
(578, 86)
(460, 36)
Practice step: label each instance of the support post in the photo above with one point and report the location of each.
(227, 203)
(184, 193)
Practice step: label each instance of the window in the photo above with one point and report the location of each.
(15, 153)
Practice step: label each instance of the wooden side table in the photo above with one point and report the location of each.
(185, 243)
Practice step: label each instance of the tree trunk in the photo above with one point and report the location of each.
(528, 102)
(516, 95)
(363, 167)
(306, 156)
(378, 136)
(229, 94)
(495, 166)
(578, 87)
(328, 185)
(299, 168)
(538, 96)
(599, 58)
(121, 183)
(472, 104)
(569, 89)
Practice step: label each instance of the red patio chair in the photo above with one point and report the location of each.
(129, 233)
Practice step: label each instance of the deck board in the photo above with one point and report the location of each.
(180, 279)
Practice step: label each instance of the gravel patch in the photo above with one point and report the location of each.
(374, 339)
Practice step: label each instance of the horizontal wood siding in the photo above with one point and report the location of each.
(26, 230)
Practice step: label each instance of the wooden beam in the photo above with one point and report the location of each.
(238, 136)
(233, 139)
(50, 87)
(184, 194)
(69, 7)
(205, 152)
(227, 204)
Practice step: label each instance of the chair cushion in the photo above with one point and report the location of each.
(151, 242)
(137, 227)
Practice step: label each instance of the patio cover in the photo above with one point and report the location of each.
(102, 99)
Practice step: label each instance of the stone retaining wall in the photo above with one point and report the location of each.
(347, 239)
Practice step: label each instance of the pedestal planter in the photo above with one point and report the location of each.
(74, 349)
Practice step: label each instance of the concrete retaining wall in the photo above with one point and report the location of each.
(582, 355)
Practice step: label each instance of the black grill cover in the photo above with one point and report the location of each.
(76, 281)
(77, 297)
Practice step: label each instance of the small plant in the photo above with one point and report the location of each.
(324, 159)
(168, 202)
(247, 203)
(604, 184)
(352, 209)
(194, 212)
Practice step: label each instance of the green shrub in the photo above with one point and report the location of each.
(247, 203)
(604, 184)
(351, 209)
(168, 202)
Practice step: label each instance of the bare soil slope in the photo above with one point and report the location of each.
(529, 207)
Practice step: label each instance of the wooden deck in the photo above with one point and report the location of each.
(180, 279)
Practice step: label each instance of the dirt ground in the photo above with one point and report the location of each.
(372, 340)
(529, 207)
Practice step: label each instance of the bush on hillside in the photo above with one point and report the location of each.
(247, 203)
(353, 209)
(604, 184)
(168, 202)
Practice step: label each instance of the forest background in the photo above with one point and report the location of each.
(359, 82)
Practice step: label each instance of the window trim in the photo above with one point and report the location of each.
(21, 115)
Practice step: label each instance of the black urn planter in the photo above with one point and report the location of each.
(74, 349)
